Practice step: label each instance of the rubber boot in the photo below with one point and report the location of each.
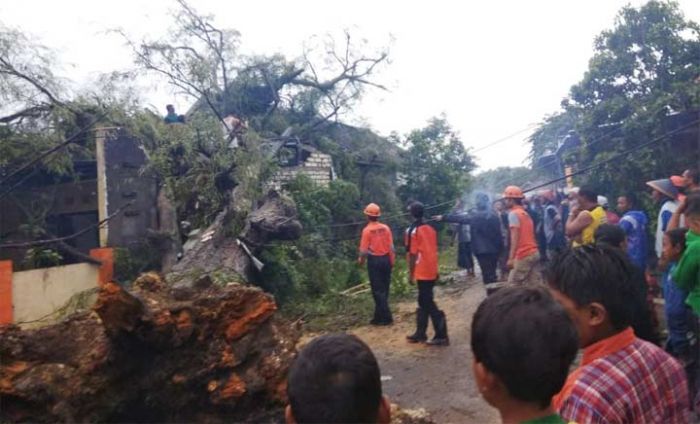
(421, 327)
(440, 326)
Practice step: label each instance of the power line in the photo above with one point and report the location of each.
(501, 140)
(617, 156)
(60, 239)
(51, 151)
(593, 142)
(579, 172)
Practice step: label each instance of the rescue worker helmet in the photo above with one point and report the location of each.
(513, 192)
(373, 210)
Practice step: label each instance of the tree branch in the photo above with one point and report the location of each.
(62, 239)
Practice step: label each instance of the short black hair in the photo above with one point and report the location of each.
(597, 273)
(335, 379)
(610, 234)
(677, 237)
(694, 175)
(417, 209)
(588, 193)
(631, 198)
(524, 337)
(692, 204)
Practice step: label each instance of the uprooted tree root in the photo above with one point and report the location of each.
(151, 354)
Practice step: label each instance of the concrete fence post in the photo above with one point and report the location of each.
(6, 305)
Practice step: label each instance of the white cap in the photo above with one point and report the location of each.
(603, 201)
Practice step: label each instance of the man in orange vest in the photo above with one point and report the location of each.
(524, 257)
(377, 249)
(422, 249)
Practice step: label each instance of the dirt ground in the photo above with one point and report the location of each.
(437, 379)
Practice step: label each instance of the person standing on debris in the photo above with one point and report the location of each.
(377, 249)
(487, 242)
(524, 257)
(422, 249)
(585, 218)
(171, 117)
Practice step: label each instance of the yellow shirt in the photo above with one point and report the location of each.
(587, 235)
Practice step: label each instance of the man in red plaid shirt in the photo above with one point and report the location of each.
(621, 379)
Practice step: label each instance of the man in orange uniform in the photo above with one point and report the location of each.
(524, 257)
(422, 248)
(377, 248)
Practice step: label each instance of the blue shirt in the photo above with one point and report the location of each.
(678, 314)
(634, 224)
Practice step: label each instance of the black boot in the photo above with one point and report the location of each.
(421, 327)
(440, 326)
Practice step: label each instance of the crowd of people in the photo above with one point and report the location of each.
(592, 295)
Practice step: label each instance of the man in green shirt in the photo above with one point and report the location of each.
(522, 357)
(687, 272)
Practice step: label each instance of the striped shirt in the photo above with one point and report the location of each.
(623, 379)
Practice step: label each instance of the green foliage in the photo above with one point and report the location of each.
(436, 164)
(643, 71)
(496, 180)
(40, 257)
(131, 262)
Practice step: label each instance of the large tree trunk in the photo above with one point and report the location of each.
(155, 354)
(216, 252)
(168, 226)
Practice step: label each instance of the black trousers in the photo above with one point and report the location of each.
(379, 270)
(488, 262)
(464, 256)
(426, 301)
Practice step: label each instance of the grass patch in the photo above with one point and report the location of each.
(333, 311)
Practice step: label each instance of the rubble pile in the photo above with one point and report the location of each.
(152, 353)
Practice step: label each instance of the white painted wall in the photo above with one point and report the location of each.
(39, 292)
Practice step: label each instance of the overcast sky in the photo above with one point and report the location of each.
(493, 67)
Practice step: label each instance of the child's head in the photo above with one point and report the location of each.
(595, 285)
(523, 343)
(612, 235)
(336, 379)
(692, 212)
(674, 244)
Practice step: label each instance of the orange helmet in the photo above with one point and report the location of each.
(513, 192)
(373, 210)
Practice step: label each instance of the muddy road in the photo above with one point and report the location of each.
(437, 379)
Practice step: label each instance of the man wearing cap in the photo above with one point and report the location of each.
(665, 194)
(421, 244)
(377, 249)
(524, 257)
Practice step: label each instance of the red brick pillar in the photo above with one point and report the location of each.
(106, 255)
(6, 308)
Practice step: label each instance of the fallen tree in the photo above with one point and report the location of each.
(152, 354)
